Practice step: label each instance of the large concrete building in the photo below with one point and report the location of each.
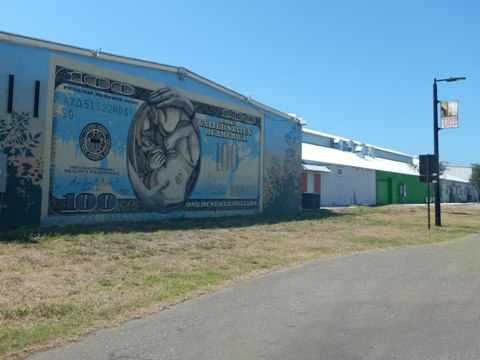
(87, 136)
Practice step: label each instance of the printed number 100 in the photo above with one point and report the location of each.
(227, 157)
(89, 202)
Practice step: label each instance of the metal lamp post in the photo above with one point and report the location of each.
(438, 220)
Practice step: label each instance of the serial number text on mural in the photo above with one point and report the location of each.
(75, 102)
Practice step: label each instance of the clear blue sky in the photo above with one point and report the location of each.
(362, 70)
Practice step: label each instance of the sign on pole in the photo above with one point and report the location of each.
(428, 168)
(449, 114)
(428, 171)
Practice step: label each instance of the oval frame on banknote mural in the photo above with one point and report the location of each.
(95, 141)
(166, 186)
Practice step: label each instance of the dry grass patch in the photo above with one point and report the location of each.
(57, 284)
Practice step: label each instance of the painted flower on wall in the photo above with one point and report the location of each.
(18, 142)
(282, 185)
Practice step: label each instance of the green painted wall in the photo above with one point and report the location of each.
(388, 188)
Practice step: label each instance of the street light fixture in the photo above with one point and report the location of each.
(438, 220)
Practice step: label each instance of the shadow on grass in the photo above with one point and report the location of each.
(32, 234)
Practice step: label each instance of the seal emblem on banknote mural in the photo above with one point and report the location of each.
(164, 150)
(95, 141)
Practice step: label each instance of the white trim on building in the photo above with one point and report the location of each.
(324, 155)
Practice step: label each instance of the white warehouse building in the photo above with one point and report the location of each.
(339, 172)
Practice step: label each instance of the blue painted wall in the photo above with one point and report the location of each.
(116, 141)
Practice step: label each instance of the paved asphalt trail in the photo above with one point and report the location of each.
(415, 303)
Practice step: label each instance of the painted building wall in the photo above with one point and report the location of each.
(282, 166)
(395, 188)
(346, 185)
(311, 182)
(455, 184)
(311, 189)
(460, 171)
(22, 134)
(457, 191)
(89, 138)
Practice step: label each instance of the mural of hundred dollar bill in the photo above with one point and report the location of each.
(121, 147)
